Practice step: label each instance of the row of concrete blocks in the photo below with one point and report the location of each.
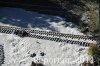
(60, 40)
(1, 55)
(6, 31)
(68, 36)
(9, 31)
(49, 38)
(59, 34)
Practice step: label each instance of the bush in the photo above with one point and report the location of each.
(95, 52)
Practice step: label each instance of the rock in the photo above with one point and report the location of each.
(33, 55)
(84, 18)
(36, 64)
(42, 54)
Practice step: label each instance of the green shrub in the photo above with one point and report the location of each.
(95, 52)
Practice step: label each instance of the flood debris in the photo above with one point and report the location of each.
(21, 33)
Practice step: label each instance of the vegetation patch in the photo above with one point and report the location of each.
(95, 52)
